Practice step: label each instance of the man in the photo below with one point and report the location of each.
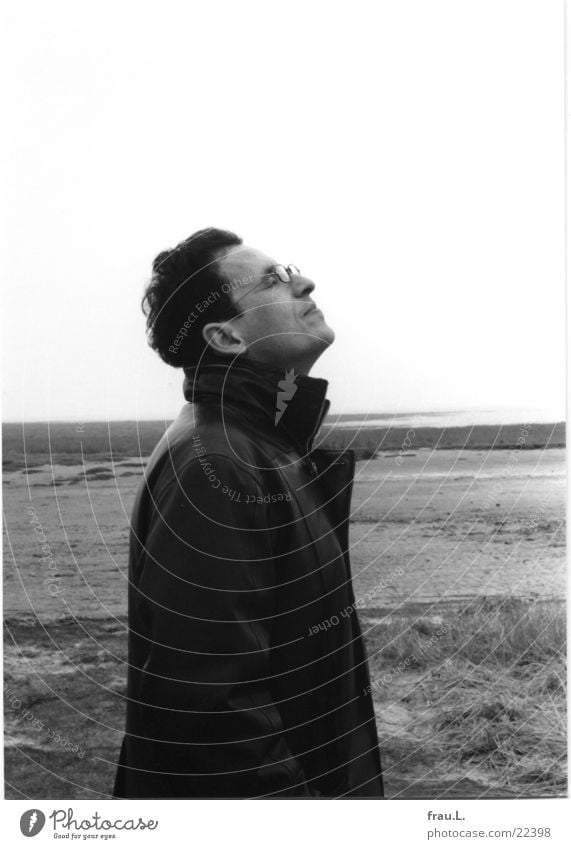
(247, 674)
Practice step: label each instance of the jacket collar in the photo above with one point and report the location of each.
(290, 407)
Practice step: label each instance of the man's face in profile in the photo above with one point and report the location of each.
(280, 322)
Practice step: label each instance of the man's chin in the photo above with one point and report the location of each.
(326, 334)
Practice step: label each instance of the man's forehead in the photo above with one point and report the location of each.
(241, 260)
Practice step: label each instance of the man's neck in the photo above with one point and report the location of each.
(299, 366)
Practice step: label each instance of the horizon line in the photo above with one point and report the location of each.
(384, 414)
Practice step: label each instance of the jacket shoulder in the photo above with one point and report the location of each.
(191, 441)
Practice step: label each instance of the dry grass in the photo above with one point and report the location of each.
(484, 691)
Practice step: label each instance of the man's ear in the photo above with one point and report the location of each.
(223, 338)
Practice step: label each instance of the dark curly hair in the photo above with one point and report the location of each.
(186, 292)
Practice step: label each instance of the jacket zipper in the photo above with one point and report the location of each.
(311, 467)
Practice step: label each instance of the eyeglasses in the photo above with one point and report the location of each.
(284, 274)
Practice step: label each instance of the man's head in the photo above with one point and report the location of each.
(214, 297)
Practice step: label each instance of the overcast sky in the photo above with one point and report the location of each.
(408, 156)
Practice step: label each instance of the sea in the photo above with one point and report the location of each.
(450, 418)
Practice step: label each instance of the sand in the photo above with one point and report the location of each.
(429, 529)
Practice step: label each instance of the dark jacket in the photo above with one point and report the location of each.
(247, 673)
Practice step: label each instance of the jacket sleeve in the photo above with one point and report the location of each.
(207, 586)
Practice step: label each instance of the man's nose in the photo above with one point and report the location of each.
(301, 285)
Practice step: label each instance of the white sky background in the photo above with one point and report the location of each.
(409, 156)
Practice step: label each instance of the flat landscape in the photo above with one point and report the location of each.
(458, 556)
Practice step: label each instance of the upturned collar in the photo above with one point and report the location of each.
(287, 405)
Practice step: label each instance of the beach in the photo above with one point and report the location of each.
(431, 532)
